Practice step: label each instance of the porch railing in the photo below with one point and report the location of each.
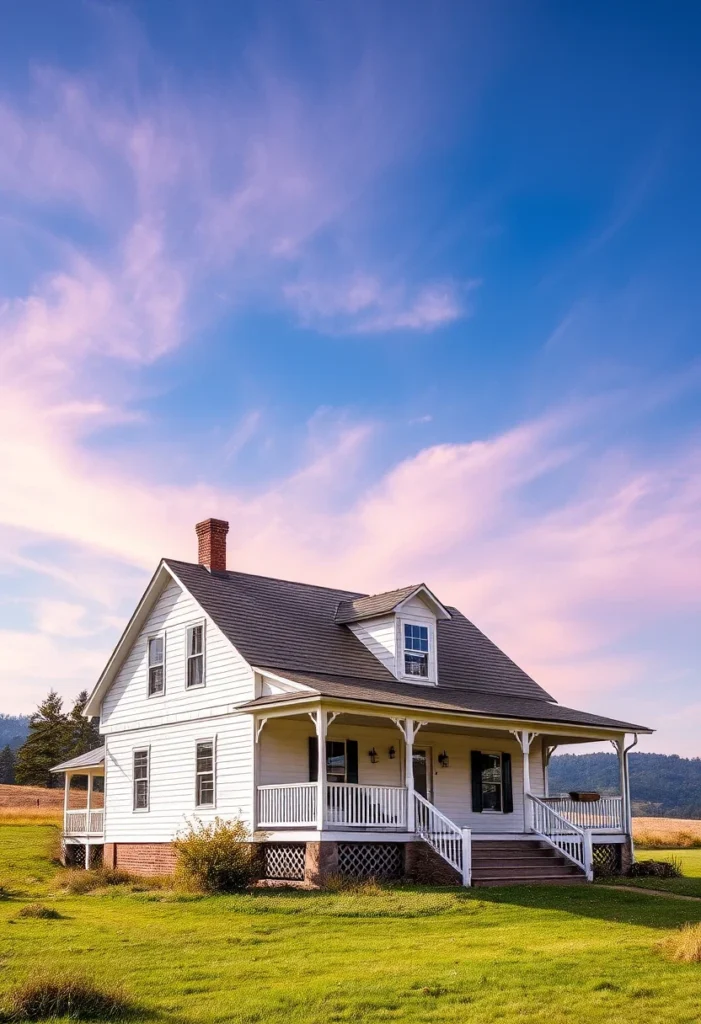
(375, 806)
(84, 823)
(291, 804)
(573, 842)
(606, 813)
(452, 843)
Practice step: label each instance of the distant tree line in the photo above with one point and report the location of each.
(53, 736)
(661, 785)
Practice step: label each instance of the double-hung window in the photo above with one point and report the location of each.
(195, 655)
(491, 782)
(416, 650)
(141, 779)
(204, 782)
(156, 665)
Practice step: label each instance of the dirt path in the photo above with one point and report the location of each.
(652, 892)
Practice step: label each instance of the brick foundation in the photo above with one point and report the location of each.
(425, 866)
(626, 856)
(141, 858)
(321, 860)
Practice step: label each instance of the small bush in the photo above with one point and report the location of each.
(670, 868)
(39, 910)
(78, 881)
(76, 997)
(215, 858)
(685, 944)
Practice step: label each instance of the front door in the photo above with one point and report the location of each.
(423, 773)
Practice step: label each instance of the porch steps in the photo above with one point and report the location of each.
(521, 862)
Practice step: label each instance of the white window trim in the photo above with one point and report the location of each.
(155, 636)
(134, 751)
(213, 741)
(491, 810)
(188, 627)
(432, 678)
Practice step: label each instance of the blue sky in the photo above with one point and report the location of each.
(405, 292)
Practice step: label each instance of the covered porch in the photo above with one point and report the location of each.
(325, 770)
(83, 805)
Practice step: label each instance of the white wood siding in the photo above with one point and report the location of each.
(228, 678)
(172, 778)
(284, 759)
(380, 638)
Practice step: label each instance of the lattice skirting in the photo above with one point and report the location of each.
(371, 860)
(607, 858)
(284, 861)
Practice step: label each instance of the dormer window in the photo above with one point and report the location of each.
(416, 650)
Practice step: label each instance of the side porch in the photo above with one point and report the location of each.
(83, 804)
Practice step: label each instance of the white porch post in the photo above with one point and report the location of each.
(66, 795)
(409, 773)
(321, 721)
(89, 805)
(620, 746)
(524, 739)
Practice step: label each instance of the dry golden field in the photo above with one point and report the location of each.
(34, 805)
(667, 833)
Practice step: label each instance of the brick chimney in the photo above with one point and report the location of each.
(211, 544)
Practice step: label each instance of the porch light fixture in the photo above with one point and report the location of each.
(372, 754)
(444, 760)
(392, 753)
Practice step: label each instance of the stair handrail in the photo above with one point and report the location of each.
(456, 850)
(557, 837)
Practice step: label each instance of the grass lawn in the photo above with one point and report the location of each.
(523, 954)
(690, 861)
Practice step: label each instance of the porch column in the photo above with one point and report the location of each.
(66, 795)
(524, 739)
(321, 722)
(620, 746)
(89, 805)
(409, 734)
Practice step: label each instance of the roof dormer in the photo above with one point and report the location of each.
(399, 628)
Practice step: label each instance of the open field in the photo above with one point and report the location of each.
(667, 833)
(34, 804)
(522, 954)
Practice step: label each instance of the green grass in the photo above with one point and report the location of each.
(689, 885)
(540, 955)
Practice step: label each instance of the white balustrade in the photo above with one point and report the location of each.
(452, 843)
(377, 806)
(76, 822)
(605, 814)
(291, 804)
(572, 841)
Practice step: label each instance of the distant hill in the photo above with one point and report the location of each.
(661, 785)
(13, 730)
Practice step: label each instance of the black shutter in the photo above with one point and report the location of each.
(507, 788)
(352, 761)
(313, 759)
(476, 765)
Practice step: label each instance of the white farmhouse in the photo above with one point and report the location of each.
(375, 735)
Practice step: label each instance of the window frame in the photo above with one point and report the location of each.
(161, 635)
(141, 750)
(203, 655)
(420, 680)
(345, 760)
(500, 809)
(213, 741)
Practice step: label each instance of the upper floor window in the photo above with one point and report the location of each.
(141, 779)
(415, 650)
(156, 665)
(195, 655)
(204, 786)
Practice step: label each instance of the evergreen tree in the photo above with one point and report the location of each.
(85, 734)
(7, 765)
(49, 742)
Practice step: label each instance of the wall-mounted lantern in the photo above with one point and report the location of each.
(392, 753)
(444, 760)
(372, 754)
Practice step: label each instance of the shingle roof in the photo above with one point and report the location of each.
(288, 626)
(93, 759)
(439, 698)
(375, 604)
